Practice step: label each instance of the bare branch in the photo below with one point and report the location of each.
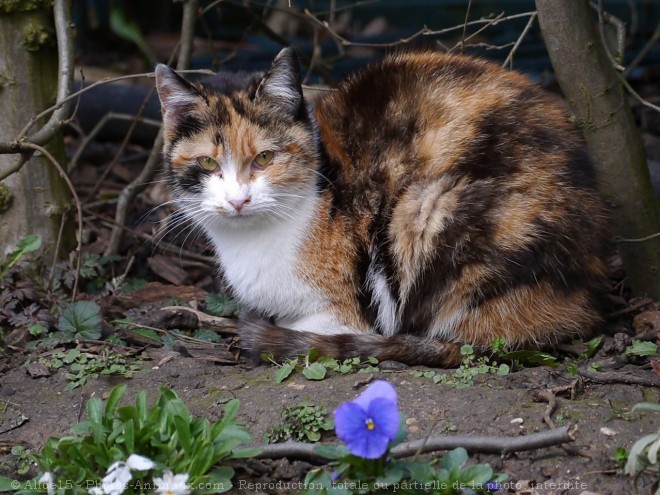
(187, 34)
(609, 377)
(64, 31)
(474, 444)
(72, 190)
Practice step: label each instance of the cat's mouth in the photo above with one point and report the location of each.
(234, 213)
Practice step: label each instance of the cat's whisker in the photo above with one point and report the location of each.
(325, 178)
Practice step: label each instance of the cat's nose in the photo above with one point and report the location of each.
(239, 203)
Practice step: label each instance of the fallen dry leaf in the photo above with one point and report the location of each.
(646, 321)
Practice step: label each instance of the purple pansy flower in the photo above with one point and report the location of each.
(493, 486)
(368, 424)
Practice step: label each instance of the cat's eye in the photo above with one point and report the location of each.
(264, 158)
(207, 163)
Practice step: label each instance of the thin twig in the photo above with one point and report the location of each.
(549, 397)
(465, 25)
(640, 239)
(65, 177)
(56, 251)
(463, 43)
(473, 444)
(644, 102)
(630, 309)
(73, 163)
(425, 31)
(149, 171)
(130, 191)
(601, 28)
(133, 124)
(178, 336)
(644, 51)
(509, 58)
(288, 10)
(14, 146)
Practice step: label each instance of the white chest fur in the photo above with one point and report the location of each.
(260, 262)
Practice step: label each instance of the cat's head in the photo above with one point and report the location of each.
(238, 147)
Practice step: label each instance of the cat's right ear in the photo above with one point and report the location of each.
(177, 96)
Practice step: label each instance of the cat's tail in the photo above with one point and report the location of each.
(258, 337)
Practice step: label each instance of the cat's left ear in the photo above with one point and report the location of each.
(281, 86)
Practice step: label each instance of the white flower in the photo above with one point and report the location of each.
(48, 480)
(172, 484)
(137, 462)
(119, 474)
(117, 478)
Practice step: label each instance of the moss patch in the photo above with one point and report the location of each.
(5, 198)
(6, 81)
(36, 36)
(11, 6)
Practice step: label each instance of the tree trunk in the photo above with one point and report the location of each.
(597, 100)
(39, 197)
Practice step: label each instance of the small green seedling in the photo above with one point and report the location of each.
(314, 367)
(304, 422)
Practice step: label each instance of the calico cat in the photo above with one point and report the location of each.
(430, 200)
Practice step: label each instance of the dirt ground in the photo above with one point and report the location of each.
(495, 405)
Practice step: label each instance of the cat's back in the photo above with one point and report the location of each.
(403, 100)
(476, 198)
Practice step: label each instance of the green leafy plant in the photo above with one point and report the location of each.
(28, 244)
(304, 422)
(166, 434)
(370, 426)
(594, 367)
(450, 475)
(314, 367)
(128, 29)
(81, 319)
(642, 348)
(36, 298)
(350, 365)
(621, 456)
(464, 375)
(221, 305)
(83, 366)
(20, 460)
(644, 453)
(592, 347)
